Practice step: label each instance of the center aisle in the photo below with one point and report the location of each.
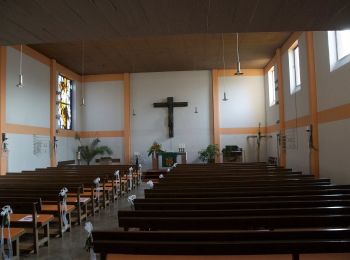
(71, 246)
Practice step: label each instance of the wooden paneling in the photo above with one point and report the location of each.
(96, 134)
(62, 21)
(242, 131)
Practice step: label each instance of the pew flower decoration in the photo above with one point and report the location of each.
(155, 148)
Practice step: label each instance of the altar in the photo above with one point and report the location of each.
(168, 159)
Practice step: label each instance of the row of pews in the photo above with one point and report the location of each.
(49, 202)
(221, 210)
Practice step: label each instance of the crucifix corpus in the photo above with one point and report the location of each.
(170, 104)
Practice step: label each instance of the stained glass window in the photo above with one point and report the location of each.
(64, 102)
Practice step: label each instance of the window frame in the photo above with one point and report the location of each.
(70, 104)
(294, 68)
(333, 45)
(271, 79)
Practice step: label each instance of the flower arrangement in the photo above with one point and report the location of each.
(155, 148)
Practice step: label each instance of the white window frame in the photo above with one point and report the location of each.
(335, 62)
(271, 79)
(294, 68)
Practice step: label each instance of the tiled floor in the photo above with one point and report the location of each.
(71, 246)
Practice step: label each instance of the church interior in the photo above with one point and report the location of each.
(112, 106)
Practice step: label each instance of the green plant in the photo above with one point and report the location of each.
(88, 152)
(155, 148)
(209, 154)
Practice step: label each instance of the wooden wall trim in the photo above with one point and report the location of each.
(3, 155)
(127, 135)
(281, 111)
(298, 122)
(290, 41)
(66, 133)
(271, 63)
(67, 73)
(103, 77)
(247, 72)
(242, 130)
(313, 102)
(27, 130)
(272, 129)
(334, 114)
(216, 109)
(98, 134)
(33, 54)
(53, 87)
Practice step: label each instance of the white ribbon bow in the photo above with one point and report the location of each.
(150, 183)
(88, 244)
(63, 209)
(161, 176)
(131, 199)
(5, 213)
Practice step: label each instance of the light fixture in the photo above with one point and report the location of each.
(196, 110)
(133, 112)
(20, 76)
(238, 66)
(224, 63)
(82, 74)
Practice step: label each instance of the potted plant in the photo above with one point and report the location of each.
(208, 155)
(155, 148)
(88, 152)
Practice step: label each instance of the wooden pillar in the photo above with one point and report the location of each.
(216, 109)
(127, 136)
(314, 158)
(53, 87)
(3, 154)
(282, 123)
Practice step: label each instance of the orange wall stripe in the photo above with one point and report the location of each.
(95, 134)
(271, 63)
(313, 102)
(272, 129)
(33, 54)
(103, 77)
(242, 130)
(292, 39)
(281, 113)
(247, 72)
(216, 109)
(68, 73)
(127, 136)
(334, 114)
(299, 122)
(26, 129)
(53, 87)
(66, 133)
(3, 156)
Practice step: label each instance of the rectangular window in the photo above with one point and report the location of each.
(342, 43)
(272, 86)
(64, 102)
(294, 68)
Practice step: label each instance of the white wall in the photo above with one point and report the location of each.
(104, 106)
(296, 106)
(150, 124)
(332, 91)
(244, 109)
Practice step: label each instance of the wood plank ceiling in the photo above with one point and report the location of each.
(159, 35)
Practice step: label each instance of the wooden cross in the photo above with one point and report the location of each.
(170, 104)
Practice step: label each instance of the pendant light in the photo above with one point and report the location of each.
(20, 76)
(224, 63)
(82, 74)
(238, 68)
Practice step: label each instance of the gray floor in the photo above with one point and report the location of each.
(71, 246)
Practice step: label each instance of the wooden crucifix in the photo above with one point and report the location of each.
(170, 104)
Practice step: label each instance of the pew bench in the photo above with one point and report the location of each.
(15, 234)
(265, 244)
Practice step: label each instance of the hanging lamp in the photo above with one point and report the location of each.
(238, 64)
(224, 63)
(20, 76)
(82, 74)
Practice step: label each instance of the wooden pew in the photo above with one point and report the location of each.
(29, 208)
(223, 243)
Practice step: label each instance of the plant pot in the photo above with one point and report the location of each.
(211, 161)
